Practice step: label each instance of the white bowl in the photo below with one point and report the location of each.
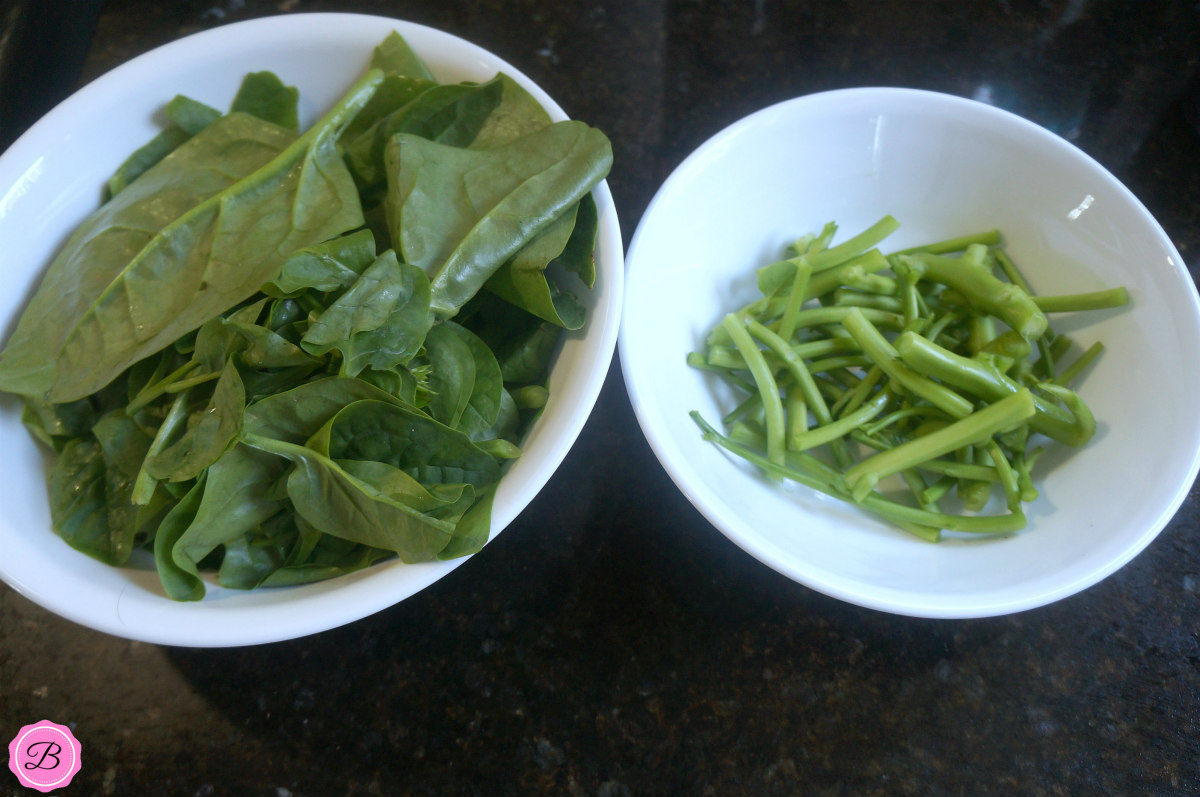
(51, 178)
(943, 166)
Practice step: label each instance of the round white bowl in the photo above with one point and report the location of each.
(943, 166)
(51, 178)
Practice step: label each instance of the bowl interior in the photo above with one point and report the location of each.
(51, 179)
(944, 167)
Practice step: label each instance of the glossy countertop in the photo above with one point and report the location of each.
(611, 642)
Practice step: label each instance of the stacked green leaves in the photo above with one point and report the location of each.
(935, 365)
(284, 355)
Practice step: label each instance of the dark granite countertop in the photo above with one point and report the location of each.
(611, 642)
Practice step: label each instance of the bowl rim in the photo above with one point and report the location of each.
(335, 602)
(640, 392)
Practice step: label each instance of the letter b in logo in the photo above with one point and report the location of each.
(44, 756)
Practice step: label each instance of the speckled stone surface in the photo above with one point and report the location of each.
(610, 642)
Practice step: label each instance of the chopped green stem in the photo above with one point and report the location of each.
(768, 389)
(852, 298)
(805, 469)
(1008, 477)
(151, 392)
(979, 379)
(950, 245)
(851, 400)
(1010, 270)
(828, 281)
(796, 366)
(820, 435)
(1072, 371)
(796, 414)
(787, 324)
(901, 414)
(885, 356)
(851, 247)
(981, 289)
(934, 492)
(1077, 302)
(974, 428)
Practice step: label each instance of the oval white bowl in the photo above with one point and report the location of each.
(943, 166)
(50, 180)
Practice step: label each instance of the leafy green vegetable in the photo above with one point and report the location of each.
(245, 368)
(133, 286)
(486, 204)
(264, 95)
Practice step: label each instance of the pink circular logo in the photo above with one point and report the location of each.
(44, 756)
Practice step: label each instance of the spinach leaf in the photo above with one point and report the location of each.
(328, 266)
(393, 56)
(404, 438)
(517, 115)
(78, 509)
(523, 280)
(448, 114)
(264, 95)
(465, 379)
(192, 116)
(187, 118)
(180, 580)
(132, 299)
(338, 504)
(380, 322)
(459, 214)
(210, 431)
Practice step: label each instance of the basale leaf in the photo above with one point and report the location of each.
(180, 582)
(405, 76)
(393, 56)
(264, 95)
(465, 379)
(331, 265)
(340, 505)
(459, 214)
(209, 433)
(380, 322)
(517, 115)
(449, 114)
(133, 298)
(427, 450)
(187, 117)
(525, 281)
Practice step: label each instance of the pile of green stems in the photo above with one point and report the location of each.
(935, 364)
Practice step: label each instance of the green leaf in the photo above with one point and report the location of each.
(119, 293)
(239, 493)
(465, 379)
(517, 115)
(393, 56)
(525, 281)
(404, 438)
(209, 433)
(264, 95)
(451, 114)
(460, 214)
(77, 498)
(340, 505)
(380, 322)
(190, 115)
(181, 581)
(328, 266)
